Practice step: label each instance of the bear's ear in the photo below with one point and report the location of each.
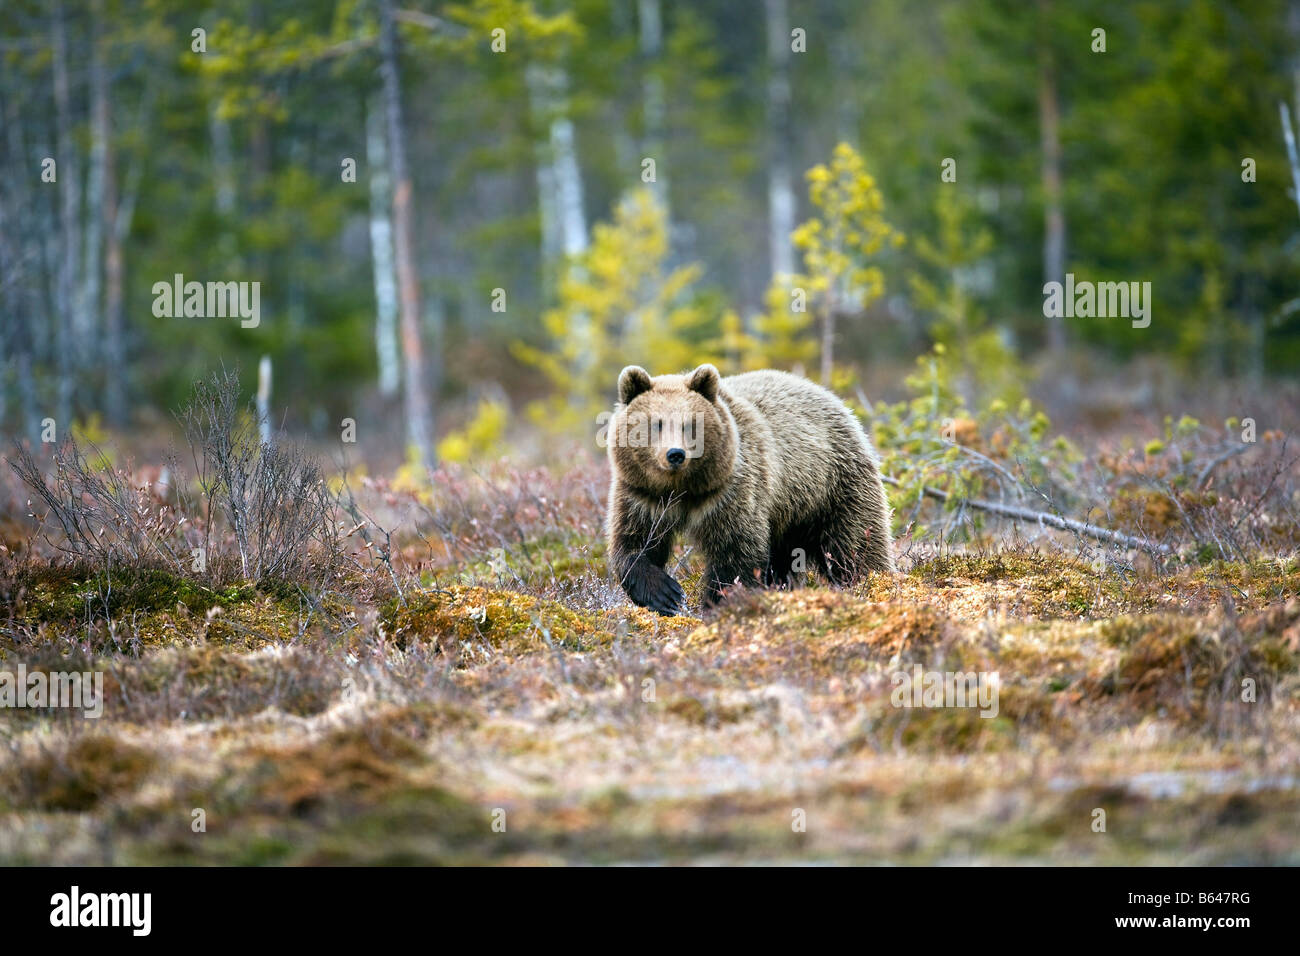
(632, 381)
(705, 381)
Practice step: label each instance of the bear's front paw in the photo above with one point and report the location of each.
(654, 588)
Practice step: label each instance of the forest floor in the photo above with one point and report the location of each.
(496, 700)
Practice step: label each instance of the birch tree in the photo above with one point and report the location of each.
(66, 293)
(419, 408)
(780, 174)
(381, 250)
(1049, 124)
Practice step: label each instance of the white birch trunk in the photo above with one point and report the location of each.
(552, 249)
(559, 173)
(650, 19)
(264, 400)
(223, 162)
(381, 252)
(419, 409)
(780, 177)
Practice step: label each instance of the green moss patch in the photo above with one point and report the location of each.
(1045, 585)
(152, 608)
(68, 595)
(459, 619)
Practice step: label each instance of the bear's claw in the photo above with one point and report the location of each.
(655, 588)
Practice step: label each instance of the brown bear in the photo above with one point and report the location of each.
(765, 472)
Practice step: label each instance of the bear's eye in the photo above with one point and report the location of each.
(659, 426)
(689, 429)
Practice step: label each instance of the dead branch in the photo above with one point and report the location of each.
(1017, 513)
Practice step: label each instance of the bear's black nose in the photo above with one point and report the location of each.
(676, 456)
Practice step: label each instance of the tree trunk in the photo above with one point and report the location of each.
(831, 307)
(620, 118)
(559, 173)
(780, 179)
(225, 191)
(88, 309)
(11, 330)
(223, 161)
(419, 411)
(1293, 27)
(828, 345)
(264, 400)
(568, 178)
(22, 295)
(559, 186)
(1293, 157)
(1049, 122)
(114, 351)
(547, 203)
(114, 344)
(381, 252)
(66, 346)
(651, 38)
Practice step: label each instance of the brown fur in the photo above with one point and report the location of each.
(777, 466)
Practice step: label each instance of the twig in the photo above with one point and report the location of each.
(1216, 462)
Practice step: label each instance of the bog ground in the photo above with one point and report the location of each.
(495, 699)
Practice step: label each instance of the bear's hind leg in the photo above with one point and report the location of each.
(846, 550)
(792, 554)
(780, 563)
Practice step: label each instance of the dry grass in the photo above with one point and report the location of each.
(494, 699)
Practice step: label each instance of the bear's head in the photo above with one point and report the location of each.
(672, 434)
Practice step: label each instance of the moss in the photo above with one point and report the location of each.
(993, 566)
(541, 560)
(250, 624)
(1193, 668)
(356, 765)
(1046, 584)
(398, 824)
(154, 608)
(814, 635)
(1254, 583)
(461, 621)
(414, 826)
(894, 629)
(90, 770)
(946, 729)
(701, 714)
(1057, 652)
(68, 594)
(264, 851)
